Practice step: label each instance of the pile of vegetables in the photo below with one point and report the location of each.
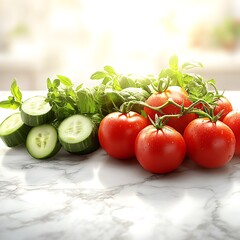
(159, 120)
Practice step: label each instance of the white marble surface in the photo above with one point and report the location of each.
(97, 197)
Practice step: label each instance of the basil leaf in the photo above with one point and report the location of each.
(85, 101)
(49, 84)
(9, 104)
(79, 87)
(56, 83)
(110, 70)
(65, 81)
(211, 81)
(189, 65)
(125, 82)
(173, 63)
(16, 91)
(98, 75)
(116, 85)
(106, 80)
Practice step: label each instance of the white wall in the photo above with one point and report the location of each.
(40, 39)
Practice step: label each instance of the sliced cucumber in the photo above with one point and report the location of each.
(13, 131)
(78, 134)
(36, 111)
(42, 141)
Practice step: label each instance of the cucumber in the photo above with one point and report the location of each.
(42, 141)
(36, 111)
(78, 134)
(13, 131)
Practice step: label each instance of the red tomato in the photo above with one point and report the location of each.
(209, 144)
(232, 119)
(160, 151)
(223, 104)
(179, 96)
(118, 131)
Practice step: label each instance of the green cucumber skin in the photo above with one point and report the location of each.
(90, 149)
(34, 121)
(38, 116)
(16, 138)
(86, 146)
(52, 154)
(94, 144)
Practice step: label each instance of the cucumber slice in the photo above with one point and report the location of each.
(78, 134)
(13, 131)
(42, 141)
(36, 111)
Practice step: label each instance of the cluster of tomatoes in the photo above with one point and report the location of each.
(161, 148)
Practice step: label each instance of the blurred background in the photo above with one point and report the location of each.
(75, 38)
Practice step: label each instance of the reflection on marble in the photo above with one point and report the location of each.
(98, 197)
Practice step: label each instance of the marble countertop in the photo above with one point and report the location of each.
(98, 197)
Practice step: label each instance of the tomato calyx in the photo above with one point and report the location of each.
(160, 122)
(125, 107)
(162, 85)
(208, 111)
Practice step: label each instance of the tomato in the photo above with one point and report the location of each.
(223, 104)
(232, 119)
(209, 144)
(118, 131)
(160, 151)
(179, 96)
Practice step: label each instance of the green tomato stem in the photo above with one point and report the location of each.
(161, 121)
